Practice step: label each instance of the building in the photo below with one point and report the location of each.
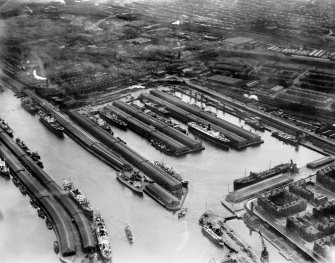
(225, 80)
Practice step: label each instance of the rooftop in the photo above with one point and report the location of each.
(238, 40)
(224, 79)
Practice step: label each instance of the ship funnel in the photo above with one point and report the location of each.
(208, 127)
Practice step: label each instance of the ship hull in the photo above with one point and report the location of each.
(287, 140)
(241, 184)
(55, 131)
(29, 109)
(217, 142)
(209, 235)
(113, 122)
(166, 114)
(136, 190)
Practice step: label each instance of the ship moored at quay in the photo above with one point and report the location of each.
(102, 237)
(50, 122)
(253, 178)
(132, 180)
(210, 134)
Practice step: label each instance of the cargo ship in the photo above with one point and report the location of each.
(79, 198)
(169, 170)
(168, 121)
(132, 180)
(207, 132)
(285, 137)
(102, 237)
(156, 108)
(4, 169)
(255, 123)
(6, 127)
(51, 123)
(257, 177)
(113, 119)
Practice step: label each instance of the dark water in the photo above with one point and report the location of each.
(158, 235)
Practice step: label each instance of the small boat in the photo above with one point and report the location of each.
(35, 156)
(40, 213)
(23, 189)
(56, 247)
(48, 223)
(129, 234)
(34, 203)
(39, 163)
(182, 212)
(6, 128)
(16, 181)
(4, 169)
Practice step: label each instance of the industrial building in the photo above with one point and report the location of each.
(225, 80)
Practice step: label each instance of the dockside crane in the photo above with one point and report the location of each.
(265, 253)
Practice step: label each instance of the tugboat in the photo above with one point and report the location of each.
(23, 146)
(34, 203)
(6, 128)
(4, 169)
(113, 119)
(23, 189)
(170, 171)
(51, 123)
(257, 177)
(160, 146)
(40, 213)
(37, 159)
(129, 234)
(207, 132)
(28, 104)
(102, 237)
(48, 223)
(156, 108)
(79, 198)
(182, 212)
(35, 156)
(285, 137)
(134, 181)
(56, 247)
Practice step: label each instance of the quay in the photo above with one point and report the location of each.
(56, 213)
(236, 141)
(114, 146)
(159, 125)
(80, 220)
(259, 188)
(150, 132)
